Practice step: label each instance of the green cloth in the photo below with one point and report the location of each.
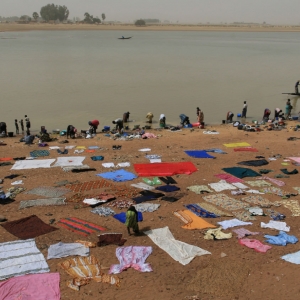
(131, 220)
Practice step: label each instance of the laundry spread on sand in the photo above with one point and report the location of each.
(296, 159)
(285, 171)
(34, 286)
(110, 239)
(173, 197)
(200, 212)
(21, 257)
(168, 188)
(200, 189)
(69, 161)
(146, 207)
(255, 211)
(6, 158)
(154, 181)
(241, 172)
(292, 205)
(240, 185)
(118, 176)
(103, 211)
(28, 227)
(14, 191)
(83, 269)
(97, 158)
(229, 178)
(259, 183)
(191, 220)
(217, 234)
(248, 149)
(198, 154)
(257, 200)
(108, 165)
(273, 180)
(225, 202)
(42, 202)
(73, 168)
(275, 225)
(255, 244)
(222, 185)
(254, 163)
(38, 153)
(165, 169)
(212, 209)
(242, 232)
(32, 164)
(215, 150)
(281, 239)
(143, 186)
(145, 149)
(179, 251)
(297, 189)
(233, 223)
(132, 257)
(122, 217)
(80, 226)
(233, 145)
(121, 203)
(49, 191)
(244, 215)
(293, 258)
(60, 250)
(273, 190)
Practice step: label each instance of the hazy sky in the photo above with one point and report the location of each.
(193, 11)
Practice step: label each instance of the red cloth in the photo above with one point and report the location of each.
(165, 169)
(95, 123)
(250, 149)
(229, 178)
(6, 158)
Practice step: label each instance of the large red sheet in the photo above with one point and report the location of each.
(165, 169)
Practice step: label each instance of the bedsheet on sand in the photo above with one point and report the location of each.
(241, 172)
(165, 169)
(232, 145)
(69, 161)
(32, 164)
(198, 154)
(225, 202)
(179, 251)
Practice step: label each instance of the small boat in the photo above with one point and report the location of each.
(125, 38)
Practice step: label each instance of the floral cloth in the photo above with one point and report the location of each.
(199, 189)
(259, 183)
(225, 202)
(292, 205)
(210, 208)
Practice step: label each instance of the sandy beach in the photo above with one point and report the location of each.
(241, 273)
(4, 27)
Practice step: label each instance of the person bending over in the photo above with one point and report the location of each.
(93, 126)
(229, 117)
(119, 125)
(184, 120)
(126, 117)
(149, 117)
(71, 131)
(162, 121)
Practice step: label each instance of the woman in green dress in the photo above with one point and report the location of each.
(132, 220)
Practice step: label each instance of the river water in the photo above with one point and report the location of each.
(70, 77)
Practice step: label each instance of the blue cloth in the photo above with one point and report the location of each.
(200, 212)
(119, 175)
(292, 258)
(122, 217)
(198, 154)
(215, 150)
(95, 158)
(281, 239)
(141, 199)
(168, 188)
(241, 172)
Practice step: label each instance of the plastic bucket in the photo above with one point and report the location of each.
(239, 115)
(295, 118)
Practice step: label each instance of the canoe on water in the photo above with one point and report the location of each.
(125, 38)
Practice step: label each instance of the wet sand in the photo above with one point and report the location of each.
(242, 274)
(162, 27)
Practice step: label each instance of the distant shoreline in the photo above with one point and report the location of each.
(13, 27)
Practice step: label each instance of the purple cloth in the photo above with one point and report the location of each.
(242, 232)
(132, 257)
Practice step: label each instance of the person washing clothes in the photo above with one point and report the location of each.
(119, 125)
(229, 117)
(185, 120)
(162, 121)
(93, 126)
(126, 117)
(266, 115)
(149, 117)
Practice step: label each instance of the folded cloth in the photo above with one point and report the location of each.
(292, 257)
(108, 165)
(111, 239)
(96, 158)
(281, 239)
(233, 223)
(215, 150)
(241, 172)
(217, 234)
(123, 164)
(67, 249)
(200, 189)
(198, 154)
(221, 186)
(275, 225)
(255, 244)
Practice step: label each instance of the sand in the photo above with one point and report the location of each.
(162, 27)
(242, 274)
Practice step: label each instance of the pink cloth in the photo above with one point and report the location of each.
(36, 286)
(296, 159)
(229, 178)
(132, 257)
(276, 181)
(149, 135)
(241, 232)
(255, 244)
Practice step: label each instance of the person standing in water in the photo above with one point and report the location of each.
(17, 126)
(22, 125)
(296, 87)
(244, 111)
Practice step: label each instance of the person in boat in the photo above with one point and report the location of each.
(266, 115)
(93, 126)
(149, 117)
(119, 125)
(296, 87)
(126, 117)
(162, 121)
(184, 120)
(229, 116)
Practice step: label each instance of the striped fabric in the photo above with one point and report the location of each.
(80, 226)
(21, 257)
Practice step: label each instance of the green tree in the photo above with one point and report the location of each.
(87, 18)
(96, 20)
(62, 13)
(23, 18)
(35, 16)
(103, 17)
(140, 22)
(49, 12)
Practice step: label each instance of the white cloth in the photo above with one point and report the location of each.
(145, 149)
(155, 160)
(123, 164)
(161, 116)
(143, 186)
(21, 257)
(66, 249)
(233, 223)
(254, 192)
(275, 225)
(146, 207)
(69, 161)
(69, 147)
(17, 182)
(32, 164)
(91, 201)
(30, 158)
(256, 211)
(292, 258)
(54, 147)
(70, 168)
(240, 185)
(108, 165)
(221, 186)
(78, 151)
(179, 251)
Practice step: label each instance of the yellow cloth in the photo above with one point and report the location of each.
(231, 145)
(80, 147)
(191, 220)
(217, 234)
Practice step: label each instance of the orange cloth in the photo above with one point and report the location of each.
(191, 220)
(6, 158)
